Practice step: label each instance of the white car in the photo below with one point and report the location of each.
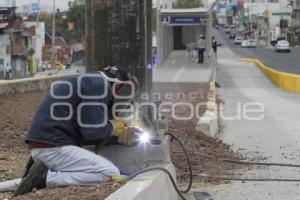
(244, 44)
(282, 45)
(238, 40)
(251, 43)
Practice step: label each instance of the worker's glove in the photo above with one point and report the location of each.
(119, 127)
(121, 131)
(126, 138)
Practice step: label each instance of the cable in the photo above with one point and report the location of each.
(167, 172)
(173, 137)
(248, 162)
(250, 179)
(179, 192)
(261, 163)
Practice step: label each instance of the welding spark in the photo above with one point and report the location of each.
(144, 138)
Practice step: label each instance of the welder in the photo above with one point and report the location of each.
(68, 117)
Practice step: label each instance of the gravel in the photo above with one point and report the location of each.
(100, 191)
(205, 152)
(17, 112)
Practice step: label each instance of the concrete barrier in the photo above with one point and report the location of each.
(29, 84)
(149, 186)
(209, 122)
(285, 81)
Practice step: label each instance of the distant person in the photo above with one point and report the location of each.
(8, 72)
(215, 45)
(201, 48)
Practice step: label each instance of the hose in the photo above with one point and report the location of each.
(173, 137)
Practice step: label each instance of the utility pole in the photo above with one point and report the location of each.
(297, 14)
(38, 15)
(158, 32)
(53, 59)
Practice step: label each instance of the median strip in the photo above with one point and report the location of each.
(286, 81)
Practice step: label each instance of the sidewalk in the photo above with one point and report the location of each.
(275, 138)
(180, 68)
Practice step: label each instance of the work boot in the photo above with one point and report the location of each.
(36, 178)
(29, 164)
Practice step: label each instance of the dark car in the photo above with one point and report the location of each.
(232, 36)
(227, 31)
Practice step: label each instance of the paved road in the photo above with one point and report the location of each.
(273, 138)
(286, 62)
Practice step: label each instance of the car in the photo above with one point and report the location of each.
(227, 31)
(232, 36)
(238, 40)
(252, 43)
(282, 45)
(244, 44)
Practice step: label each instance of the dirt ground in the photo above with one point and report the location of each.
(205, 152)
(100, 192)
(18, 110)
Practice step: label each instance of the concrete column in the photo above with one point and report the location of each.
(119, 33)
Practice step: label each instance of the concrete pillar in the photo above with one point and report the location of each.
(118, 33)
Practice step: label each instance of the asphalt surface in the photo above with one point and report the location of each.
(285, 62)
(269, 134)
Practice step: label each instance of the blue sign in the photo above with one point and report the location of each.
(186, 20)
(34, 8)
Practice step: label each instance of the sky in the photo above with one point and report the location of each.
(62, 4)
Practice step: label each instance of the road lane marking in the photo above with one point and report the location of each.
(232, 53)
(179, 73)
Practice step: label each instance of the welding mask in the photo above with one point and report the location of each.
(124, 86)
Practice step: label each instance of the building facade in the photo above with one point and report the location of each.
(5, 55)
(38, 42)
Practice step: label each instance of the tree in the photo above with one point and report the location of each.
(187, 3)
(76, 17)
(71, 27)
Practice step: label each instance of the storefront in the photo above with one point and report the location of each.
(180, 27)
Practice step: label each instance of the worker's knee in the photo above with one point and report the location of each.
(113, 170)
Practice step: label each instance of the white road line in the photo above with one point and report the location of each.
(179, 73)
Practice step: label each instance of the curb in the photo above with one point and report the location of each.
(209, 123)
(286, 81)
(149, 186)
(29, 84)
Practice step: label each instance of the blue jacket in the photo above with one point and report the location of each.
(63, 126)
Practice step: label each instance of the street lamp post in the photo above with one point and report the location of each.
(53, 59)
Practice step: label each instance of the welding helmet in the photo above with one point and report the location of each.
(122, 77)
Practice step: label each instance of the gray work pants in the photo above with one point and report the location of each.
(71, 165)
